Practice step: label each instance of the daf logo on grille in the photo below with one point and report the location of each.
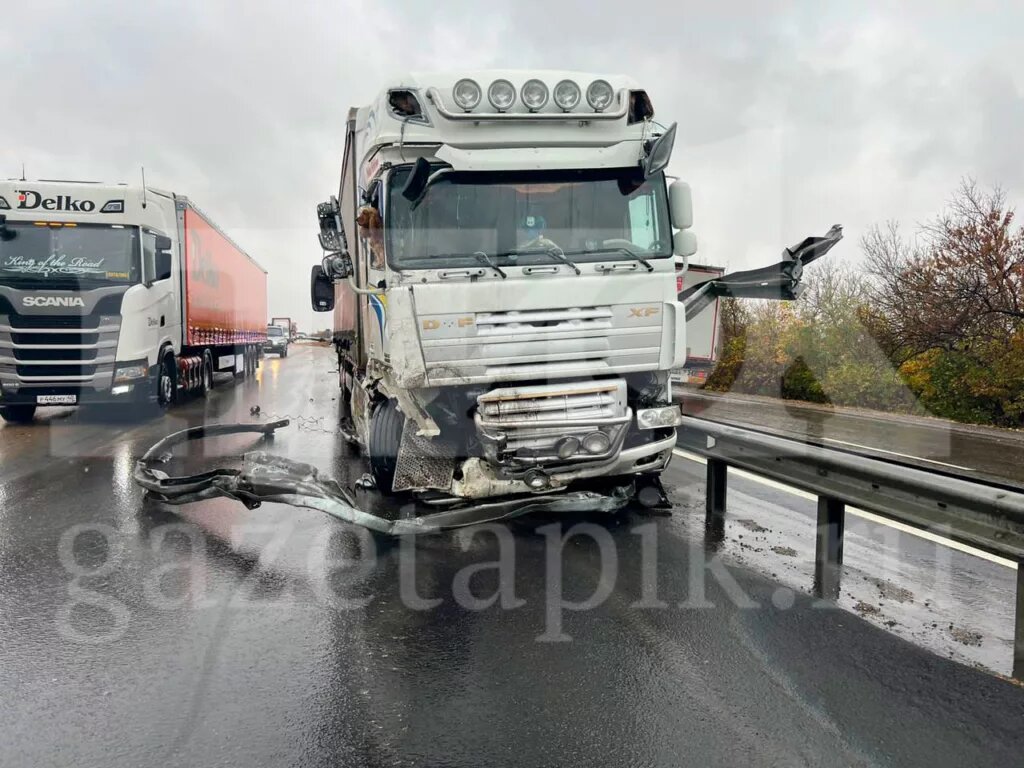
(53, 301)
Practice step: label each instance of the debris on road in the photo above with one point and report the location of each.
(269, 478)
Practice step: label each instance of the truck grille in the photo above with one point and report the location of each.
(46, 351)
(520, 427)
(540, 344)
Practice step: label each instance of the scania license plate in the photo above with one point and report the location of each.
(56, 399)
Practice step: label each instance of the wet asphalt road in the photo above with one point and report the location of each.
(936, 444)
(134, 635)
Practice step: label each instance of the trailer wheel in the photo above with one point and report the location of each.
(386, 426)
(17, 414)
(166, 382)
(207, 373)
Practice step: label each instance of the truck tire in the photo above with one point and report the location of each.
(17, 414)
(166, 382)
(385, 436)
(284, 352)
(207, 374)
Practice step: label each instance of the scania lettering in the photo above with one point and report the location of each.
(119, 295)
(504, 249)
(53, 301)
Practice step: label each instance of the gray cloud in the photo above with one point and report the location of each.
(792, 117)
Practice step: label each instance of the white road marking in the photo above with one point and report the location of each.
(901, 455)
(862, 513)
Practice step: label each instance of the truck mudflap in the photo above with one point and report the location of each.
(268, 478)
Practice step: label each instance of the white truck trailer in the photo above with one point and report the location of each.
(118, 295)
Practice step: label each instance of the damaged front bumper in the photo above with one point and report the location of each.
(268, 478)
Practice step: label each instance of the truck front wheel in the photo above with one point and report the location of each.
(17, 414)
(386, 425)
(166, 383)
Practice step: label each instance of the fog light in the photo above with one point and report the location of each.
(567, 446)
(600, 95)
(122, 389)
(596, 442)
(536, 480)
(567, 95)
(466, 94)
(534, 95)
(501, 94)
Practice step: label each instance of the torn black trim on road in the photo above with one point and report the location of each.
(268, 478)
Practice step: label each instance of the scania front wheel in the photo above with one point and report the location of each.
(166, 382)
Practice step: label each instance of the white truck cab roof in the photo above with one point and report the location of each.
(508, 119)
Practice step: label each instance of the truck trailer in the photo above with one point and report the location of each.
(119, 295)
(703, 338)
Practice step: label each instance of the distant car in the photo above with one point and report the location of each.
(277, 341)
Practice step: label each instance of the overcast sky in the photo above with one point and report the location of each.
(792, 116)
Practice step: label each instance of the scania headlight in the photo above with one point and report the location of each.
(567, 95)
(466, 94)
(600, 95)
(501, 94)
(130, 372)
(653, 418)
(534, 94)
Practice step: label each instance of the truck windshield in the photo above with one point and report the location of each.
(514, 217)
(274, 330)
(70, 254)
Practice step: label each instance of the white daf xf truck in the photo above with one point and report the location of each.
(501, 258)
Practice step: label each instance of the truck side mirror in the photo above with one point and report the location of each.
(337, 266)
(684, 243)
(417, 181)
(680, 203)
(329, 217)
(321, 290)
(660, 152)
(162, 258)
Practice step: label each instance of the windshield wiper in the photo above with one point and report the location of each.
(622, 249)
(553, 251)
(483, 258)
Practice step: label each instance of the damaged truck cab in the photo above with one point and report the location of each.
(501, 259)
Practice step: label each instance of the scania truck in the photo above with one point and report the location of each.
(119, 295)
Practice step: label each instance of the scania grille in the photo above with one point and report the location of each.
(44, 351)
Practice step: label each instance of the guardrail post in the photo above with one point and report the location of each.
(828, 556)
(714, 522)
(1018, 635)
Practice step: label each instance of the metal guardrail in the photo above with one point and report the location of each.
(987, 516)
